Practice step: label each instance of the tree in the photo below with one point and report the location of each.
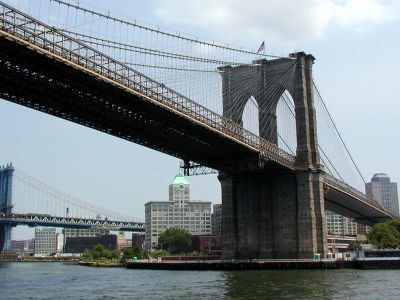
(385, 235)
(175, 240)
(353, 246)
(159, 253)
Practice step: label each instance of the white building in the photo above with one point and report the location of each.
(60, 242)
(45, 241)
(179, 211)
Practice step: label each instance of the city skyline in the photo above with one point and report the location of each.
(71, 157)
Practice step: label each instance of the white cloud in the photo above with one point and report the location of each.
(280, 21)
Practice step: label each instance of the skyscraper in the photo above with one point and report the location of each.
(179, 211)
(382, 190)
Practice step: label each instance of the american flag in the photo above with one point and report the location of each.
(261, 48)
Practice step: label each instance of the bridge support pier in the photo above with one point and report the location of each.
(269, 217)
(5, 237)
(6, 177)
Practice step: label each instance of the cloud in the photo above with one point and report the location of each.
(280, 21)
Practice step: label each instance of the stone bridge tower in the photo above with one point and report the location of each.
(271, 212)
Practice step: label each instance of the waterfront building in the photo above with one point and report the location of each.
(339, 225)
(137, 241)
(339, 243)
(25, 247)
(382, 190)
(18, 246)
(45, 241)
(123, 242)
(89, 232)
(179, 211)
(207, 244)
(362, 230)
(216, 219)
(79, 244)
(60, 242)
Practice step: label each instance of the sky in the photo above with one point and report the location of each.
(356, 44)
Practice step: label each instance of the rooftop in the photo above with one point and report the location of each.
(179, 179)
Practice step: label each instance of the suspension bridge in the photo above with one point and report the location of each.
(259, 120)
(25, 200)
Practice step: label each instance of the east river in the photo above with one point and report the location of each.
(58, 281)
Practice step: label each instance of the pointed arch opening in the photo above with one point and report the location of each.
(250, 116)
(286, 123)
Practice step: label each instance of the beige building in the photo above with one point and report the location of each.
(179, 211)
(122, 242)
(339, 225)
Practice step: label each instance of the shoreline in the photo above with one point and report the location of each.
(265, 265)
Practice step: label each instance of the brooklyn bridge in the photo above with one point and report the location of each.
(279, 170)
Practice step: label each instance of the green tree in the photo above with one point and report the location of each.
(353, 246)
(175, 240)
(87, 254)
(159, 253)
(101, 252)
(385, 235)
(115, 254)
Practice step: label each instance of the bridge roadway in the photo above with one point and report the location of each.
(47, 70)
(34, 220)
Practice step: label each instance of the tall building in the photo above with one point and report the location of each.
(45, 241)
(179, 211)
(216, 219)
(382, 190)
(339, 225)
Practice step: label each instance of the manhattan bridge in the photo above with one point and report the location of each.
(259, 120)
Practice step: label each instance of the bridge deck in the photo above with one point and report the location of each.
(34, 220)
(47, 70)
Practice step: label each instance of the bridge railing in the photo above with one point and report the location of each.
(340, 185)
(57, 42)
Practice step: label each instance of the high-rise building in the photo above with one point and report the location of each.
(179, 211)
(382, 190)
(216, 219)
(45, 241)
(339, 225)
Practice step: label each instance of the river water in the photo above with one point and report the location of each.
(58, 281)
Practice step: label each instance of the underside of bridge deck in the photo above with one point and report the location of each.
(43, 83)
